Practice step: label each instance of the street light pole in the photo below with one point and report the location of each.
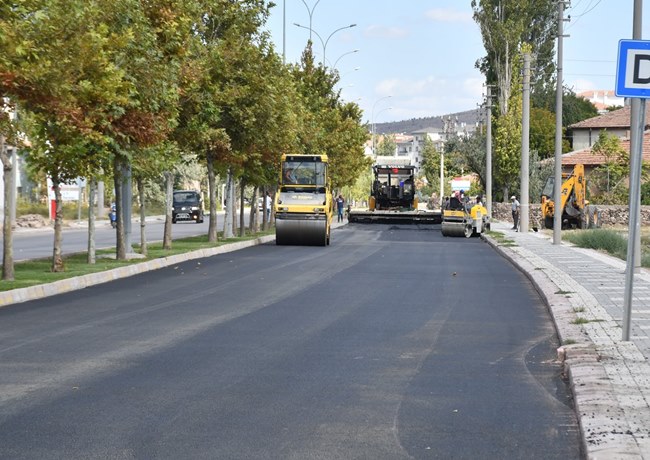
(323, 42)
(349, 72)
(344, 54)
(310, 32)
(311, 13)
(330, 36)
(284, 31)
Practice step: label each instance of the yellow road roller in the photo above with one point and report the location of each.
(460, 218)
(303, 204)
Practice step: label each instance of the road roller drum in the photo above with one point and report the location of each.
(301, 231)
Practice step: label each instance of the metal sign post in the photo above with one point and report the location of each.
(633, 80)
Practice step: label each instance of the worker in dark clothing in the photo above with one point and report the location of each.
(340, 203)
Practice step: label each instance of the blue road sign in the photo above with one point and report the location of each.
(633, 69)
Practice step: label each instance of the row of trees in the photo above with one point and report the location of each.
(121, 89)
(508, 30)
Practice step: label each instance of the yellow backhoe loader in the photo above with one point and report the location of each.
(576, 210)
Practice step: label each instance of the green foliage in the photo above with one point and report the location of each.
(360, 191)
(606, 240)
(328, 125)
(507, 144)
(645, 193)
(387, 145)
(539, 173)
(468, 157)
(505, 27)
(608, 182)
(542, 133)
(430, 165)
(574, 108)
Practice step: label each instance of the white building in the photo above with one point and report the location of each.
(602, 99)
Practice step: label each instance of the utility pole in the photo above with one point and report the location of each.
(524, 215)
(637, 125)
(557, 188)
(488, 153)
(449, 126)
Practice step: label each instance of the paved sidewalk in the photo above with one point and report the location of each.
(610, 378)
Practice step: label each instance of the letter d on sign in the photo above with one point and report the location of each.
(636, 77)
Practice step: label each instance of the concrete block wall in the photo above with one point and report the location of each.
(610, 215)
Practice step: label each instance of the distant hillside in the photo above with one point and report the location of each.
(469, 117)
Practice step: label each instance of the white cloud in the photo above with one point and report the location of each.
(448, 15)
(377, 31)
(429, 96)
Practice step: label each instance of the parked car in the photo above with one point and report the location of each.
(187, 206)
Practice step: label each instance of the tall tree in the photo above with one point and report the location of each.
(328, 125)
(609, 181)
(542, 133)
(97, 69)
(505, 26)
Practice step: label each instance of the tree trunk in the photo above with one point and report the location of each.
(120, 244)
(212, 191)
(92, 188)
(271, 210)
(57, 255)
(169, 203)
(143, 221)
(234, 206)
(252, 216)
(265, 211)
(227, 224)
(242, 224)
(8, 273)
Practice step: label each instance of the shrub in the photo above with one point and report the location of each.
(606, 240)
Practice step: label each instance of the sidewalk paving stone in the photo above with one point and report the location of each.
(610, 378)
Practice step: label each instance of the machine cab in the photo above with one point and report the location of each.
(304, 171)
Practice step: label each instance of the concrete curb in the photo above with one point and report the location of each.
(605, 430)
(80, 282)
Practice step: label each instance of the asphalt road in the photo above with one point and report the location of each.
(391, 343)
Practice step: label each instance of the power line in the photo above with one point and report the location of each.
(590, 60)
(588, 10)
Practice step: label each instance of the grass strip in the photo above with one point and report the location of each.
(38, 271)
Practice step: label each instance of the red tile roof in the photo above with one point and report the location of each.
(615, 119)
(587, 158)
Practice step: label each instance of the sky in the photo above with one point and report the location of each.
(416, 58)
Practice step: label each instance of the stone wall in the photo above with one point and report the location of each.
(609, 215)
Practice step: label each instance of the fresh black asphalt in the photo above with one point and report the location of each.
(393, 342)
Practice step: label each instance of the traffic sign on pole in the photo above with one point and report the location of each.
(633, 69)
(633, 81)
